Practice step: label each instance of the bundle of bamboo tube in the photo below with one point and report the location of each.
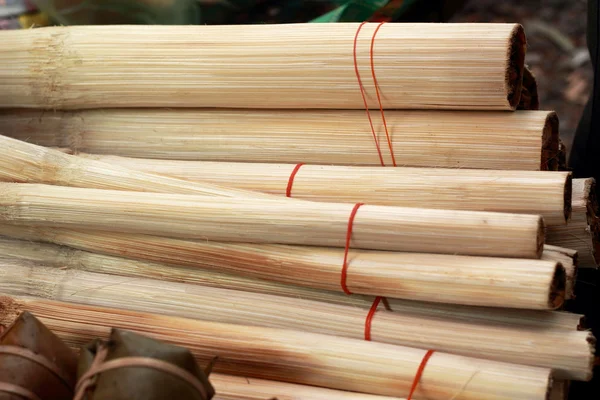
(123, 212)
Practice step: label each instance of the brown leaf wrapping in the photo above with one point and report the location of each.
(29, 333)
(142, 383)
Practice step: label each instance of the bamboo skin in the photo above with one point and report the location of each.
(28, 163)
(254, 221)
(522, 140)
(418, 66)
(582, 233)
(492, 282)
(297, 357)
(71, 258)
(520, 345)
(527, 192)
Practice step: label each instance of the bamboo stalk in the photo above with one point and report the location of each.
(523, 140)
(435, 66)
(26, 162)
(305, 358)
(231, 387)
(569, 260)
(520, 345)
(274, 221)
(66, 257)
(493, 282)
(582, 233)
(527, 192)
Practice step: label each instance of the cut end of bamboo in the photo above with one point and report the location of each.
(529, 93)
(550, 144)
(593, 217)
(568, 193)
(541, 236)
(516, 65)
(558, 287)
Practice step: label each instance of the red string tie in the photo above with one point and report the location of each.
(288, 190)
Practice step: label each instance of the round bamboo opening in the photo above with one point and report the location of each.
(516, 65)
(568, 193)
(557, 287)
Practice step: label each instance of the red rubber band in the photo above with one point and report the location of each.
(387, 134)
(415, 383)
(348, 237)
(288, 190)
(362, 92)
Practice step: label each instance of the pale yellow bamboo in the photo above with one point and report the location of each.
(521, 345)
(527, 192)
(523, 140)
(230, 387)
(276, 220)
(26, 162)
(582, 233)
(483, 281)
(569, 260)
(67, 257)
(418, 66)
(307, 358)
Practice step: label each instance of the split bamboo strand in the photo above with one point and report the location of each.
(520, 345)
(569, 260)
(522, 140)
(274, 221)
(229, 387)
(28, 163)
(528, 192)
(297, 357)
(483, 281)
(582, 233)
(418, 66)
(66, 257)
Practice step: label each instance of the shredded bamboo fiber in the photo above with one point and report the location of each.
(493, 282)
(275, 220)
(582, 233)
(529, 192)
(297, 357)
(531, 345)
(418, 66)
(522, 140)
(67, 257)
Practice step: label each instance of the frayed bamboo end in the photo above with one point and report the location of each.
(516, 65)
(529, 93)
(558, 287)
(550, 144)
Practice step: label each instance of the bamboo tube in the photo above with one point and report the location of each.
(26, 162)
(523, 140)
(66, 257)
(519, 345)
(582, 233)
(231, 387)
(418, 66)
(297, 357)
(274, 221)
(493, 282)
(569, 259)
(527, 192)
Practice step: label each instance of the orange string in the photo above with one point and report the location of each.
(364, 97)
(415, 383)
(288, 190)
(387, 134)
(348, 237)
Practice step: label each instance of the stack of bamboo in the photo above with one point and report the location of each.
(242, 203)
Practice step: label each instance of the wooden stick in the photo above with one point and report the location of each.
(418, 66)
(305, 358)
(67, 257)
(569, 260)
(231, 387)
(274, 221)
(582, 233)
(523, 140)
(527, 192)
(26, 162)
(493, 282)
(537, 346)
